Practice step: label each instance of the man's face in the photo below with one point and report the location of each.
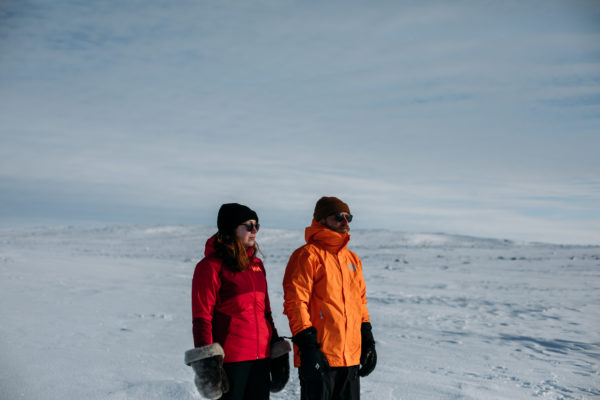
(339, 226)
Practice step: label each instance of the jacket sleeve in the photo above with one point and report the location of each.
(268, 313)
(363, 293)
(205, 288)
(297, 289)
(269, 316)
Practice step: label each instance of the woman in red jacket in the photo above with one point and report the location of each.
(237, 353)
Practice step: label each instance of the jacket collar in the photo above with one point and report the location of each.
(325, 238)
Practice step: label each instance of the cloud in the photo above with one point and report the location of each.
(468, 113)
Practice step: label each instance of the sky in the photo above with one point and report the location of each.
(467, 117)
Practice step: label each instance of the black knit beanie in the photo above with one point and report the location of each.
(233, 214)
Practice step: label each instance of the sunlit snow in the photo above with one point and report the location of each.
(104, 313)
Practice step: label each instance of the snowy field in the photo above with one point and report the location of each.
(104, 313)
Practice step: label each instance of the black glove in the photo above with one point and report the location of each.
(279, 364)
(368, 355)
(207, 362)
(313, 364)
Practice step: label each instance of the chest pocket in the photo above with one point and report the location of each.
(352, 267)
(353, 274)
(234, 283)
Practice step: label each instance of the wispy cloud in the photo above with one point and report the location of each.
(470, 117)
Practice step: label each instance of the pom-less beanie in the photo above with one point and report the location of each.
(329, 205)
(233, 214)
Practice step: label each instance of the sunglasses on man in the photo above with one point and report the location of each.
(339, 217)
(250, 227)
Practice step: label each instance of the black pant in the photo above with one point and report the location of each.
(248, 380)
(341, 383)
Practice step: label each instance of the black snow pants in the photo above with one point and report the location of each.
(248, 380)
(341, 383)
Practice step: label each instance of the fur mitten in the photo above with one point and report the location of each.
(368, 355)
(207, 362)
(279, 364)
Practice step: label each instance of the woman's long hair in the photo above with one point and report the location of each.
(233, 253)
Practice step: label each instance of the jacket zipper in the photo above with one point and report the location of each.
(344, 288)
(255, 314)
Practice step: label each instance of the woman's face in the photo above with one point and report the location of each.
(247, 232)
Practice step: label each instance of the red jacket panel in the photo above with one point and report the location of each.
(232, 308)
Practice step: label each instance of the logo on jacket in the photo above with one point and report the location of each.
(352, 267)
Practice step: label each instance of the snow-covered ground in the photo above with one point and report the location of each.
(104, 313)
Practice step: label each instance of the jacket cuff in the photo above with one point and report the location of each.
(306, 338)
(280, 348)
(200, 353)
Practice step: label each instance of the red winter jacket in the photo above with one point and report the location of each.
(232, 308)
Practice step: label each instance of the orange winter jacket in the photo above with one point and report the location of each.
(324, 287)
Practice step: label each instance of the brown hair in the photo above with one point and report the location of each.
(234, 254)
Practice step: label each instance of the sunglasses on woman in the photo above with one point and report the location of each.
(339, 217)
(250, 226)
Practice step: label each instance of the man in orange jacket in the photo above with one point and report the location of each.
(325, 302)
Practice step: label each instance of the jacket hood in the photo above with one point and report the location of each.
(326, 238)
(209, 248)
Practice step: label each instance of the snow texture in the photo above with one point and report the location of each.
(104, 313)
